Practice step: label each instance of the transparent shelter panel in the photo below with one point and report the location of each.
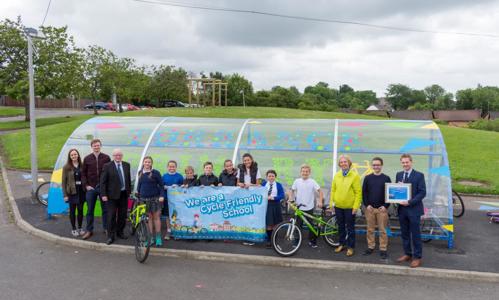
(194, 141)
(188, 157)
(284, 146)
(387, 136)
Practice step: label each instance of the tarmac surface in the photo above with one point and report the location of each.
(476, 240)
(53, 112)
(33, 268)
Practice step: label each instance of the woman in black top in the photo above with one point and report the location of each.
(73, 191)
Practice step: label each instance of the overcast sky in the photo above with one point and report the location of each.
(273, 51)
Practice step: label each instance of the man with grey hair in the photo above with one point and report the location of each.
(115, 183)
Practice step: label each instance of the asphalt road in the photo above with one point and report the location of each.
(32, 268)
(54, 112)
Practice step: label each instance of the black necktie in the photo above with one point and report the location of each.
(270, 189)
(406, 176)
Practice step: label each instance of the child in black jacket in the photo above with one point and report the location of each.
(207, 179)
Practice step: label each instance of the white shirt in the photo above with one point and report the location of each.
(247, 176)
(408, 174)
(273, 193)
(305, 192)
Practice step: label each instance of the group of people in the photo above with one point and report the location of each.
(99, 175)
(347, 195)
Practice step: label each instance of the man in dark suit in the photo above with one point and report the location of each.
(115, 184)
(410, 212)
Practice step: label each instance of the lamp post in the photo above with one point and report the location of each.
(244, 101)
(31, 32)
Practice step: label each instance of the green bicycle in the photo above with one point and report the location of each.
(287, 236)
(138, 219)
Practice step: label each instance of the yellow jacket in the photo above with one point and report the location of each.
(345, 190)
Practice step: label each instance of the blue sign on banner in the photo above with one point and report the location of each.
(227, 213)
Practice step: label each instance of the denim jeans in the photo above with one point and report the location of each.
(91, 197)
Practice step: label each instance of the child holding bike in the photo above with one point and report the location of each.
(150, 191)
(303, 192)
(275, 193)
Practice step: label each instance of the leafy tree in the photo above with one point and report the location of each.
(14, 61)
(168, 82)
(399, 96)
(236, 86)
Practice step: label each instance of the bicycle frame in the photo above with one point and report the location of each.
(304, 217)
(137, 214)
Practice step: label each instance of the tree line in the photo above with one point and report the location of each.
(62, 69)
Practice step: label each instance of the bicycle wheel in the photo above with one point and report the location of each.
(42, 193)
(331, 234)
(457, 205)
(286, 239)
(142, 242)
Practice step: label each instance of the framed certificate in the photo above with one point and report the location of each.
(397, 192)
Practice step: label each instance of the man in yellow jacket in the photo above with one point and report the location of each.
(346, 196)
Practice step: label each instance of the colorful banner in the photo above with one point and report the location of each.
(228, 213)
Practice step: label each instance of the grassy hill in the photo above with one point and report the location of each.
(472, 153)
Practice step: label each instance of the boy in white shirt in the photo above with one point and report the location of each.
(303, 192)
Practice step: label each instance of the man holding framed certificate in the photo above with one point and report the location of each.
(411, 186)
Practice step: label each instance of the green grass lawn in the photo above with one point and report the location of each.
(472, 153)
(7, 111)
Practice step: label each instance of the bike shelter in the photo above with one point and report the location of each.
(279, 144)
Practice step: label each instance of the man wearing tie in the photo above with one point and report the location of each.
(410, 212)
(115, 183)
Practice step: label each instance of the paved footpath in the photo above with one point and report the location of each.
(32, 268)
(476, 243)
(54, 112)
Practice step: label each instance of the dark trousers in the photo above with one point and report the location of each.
(346, 226)
(311, 236)
(411, 234)
(73, 207)
(116, 215)
(91, 198)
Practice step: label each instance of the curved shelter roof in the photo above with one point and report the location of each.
(279, 144)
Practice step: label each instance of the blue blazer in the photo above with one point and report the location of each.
(417, 180)
(280, 190)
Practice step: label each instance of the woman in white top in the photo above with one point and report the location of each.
(248, 173)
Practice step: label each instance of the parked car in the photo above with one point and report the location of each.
(132, 107)
(110, 106)
(173, 103)
(98, 105)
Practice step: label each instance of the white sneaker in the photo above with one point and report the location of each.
(75, 233)
(81, 231)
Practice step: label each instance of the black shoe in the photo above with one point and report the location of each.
(122, 236)
(268, 245)
(368, 251)
(383, 254)
(109, 241)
